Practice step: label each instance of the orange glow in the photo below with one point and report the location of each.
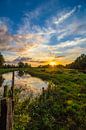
(53, 63)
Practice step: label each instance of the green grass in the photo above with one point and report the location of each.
(61, 107)
(59, 76)
(6, 70)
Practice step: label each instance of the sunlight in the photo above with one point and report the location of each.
(53, 63)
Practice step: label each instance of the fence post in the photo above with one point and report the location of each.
(3, 118)
(10, 106)
(9, 125)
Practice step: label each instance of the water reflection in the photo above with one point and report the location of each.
(20, 73)
(1, 80)
(1, 88)
(25, 81)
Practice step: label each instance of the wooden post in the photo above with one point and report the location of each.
(7, 107)
(9, 125)
(10, 106)
(12, 91)
(12, 87)
(3, 118)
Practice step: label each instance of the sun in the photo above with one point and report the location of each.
(53, 63)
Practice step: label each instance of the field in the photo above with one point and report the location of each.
(61, 107)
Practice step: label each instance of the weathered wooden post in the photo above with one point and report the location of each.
(7, 107)
(10, 106)
(3, 118)
(9, 125)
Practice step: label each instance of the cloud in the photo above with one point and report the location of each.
(18, 42)
(72, 53)
(35, 41)
(75, 42)
(3, 29)
(74, 29)
(61, 31)
(33, 14)
(64, 16)
(5, 37)
(75, 51)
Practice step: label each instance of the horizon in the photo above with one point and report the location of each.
(43, 31)
(35, 63)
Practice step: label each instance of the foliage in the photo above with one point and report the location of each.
(2, 61)
(56, 109)
(21, 117)
(23, 65)
(79, 63)
(7, 70)
(61, 107)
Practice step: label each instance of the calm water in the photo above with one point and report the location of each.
(28, 83)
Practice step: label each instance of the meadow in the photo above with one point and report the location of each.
(61, 107)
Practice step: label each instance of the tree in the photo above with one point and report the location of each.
(21, 65)
(26, 65)
(79, 63)
(2, 61)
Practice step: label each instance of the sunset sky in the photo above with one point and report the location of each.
(41, 31)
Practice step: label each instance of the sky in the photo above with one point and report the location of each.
(41, 31)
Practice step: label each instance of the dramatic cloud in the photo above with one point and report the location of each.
(19, 42)
(64, 17)
(59, 35)
(75, 42)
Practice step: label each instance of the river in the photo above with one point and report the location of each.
(23, 81)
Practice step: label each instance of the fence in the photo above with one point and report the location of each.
(7, 108)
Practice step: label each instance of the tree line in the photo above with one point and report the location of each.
(79, 63)
(19, 65)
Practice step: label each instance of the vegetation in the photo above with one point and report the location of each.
(79, 63)
(6, 70)
(1, 60)
(62, 106)
(23, 65)
(58, 109)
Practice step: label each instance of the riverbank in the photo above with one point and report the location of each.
(6, 70)
(59, 76)
(61, 107)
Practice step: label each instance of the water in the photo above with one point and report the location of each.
(26, 82)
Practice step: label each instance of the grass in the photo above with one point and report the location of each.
(6, 70)
(59, 76)
(61, 107)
